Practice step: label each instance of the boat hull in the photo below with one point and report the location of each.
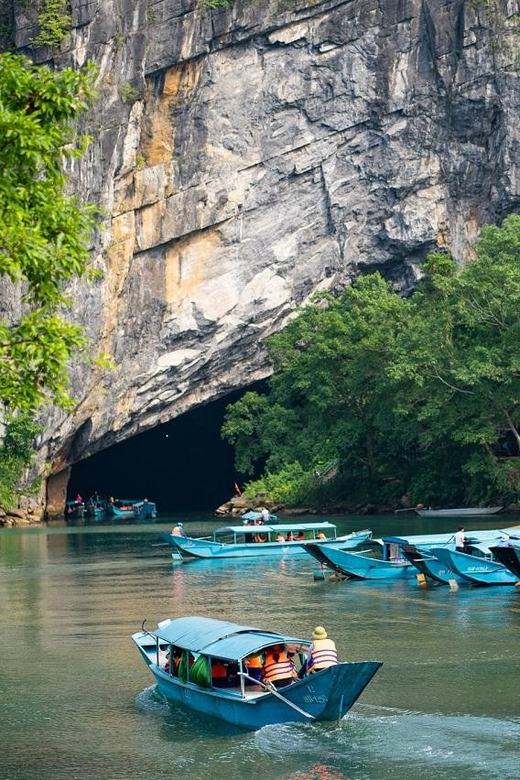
(327, 695)
(479, 571)
(479, 511)
(508, 557)
(427, 564)
(359, 566)
(202, 548)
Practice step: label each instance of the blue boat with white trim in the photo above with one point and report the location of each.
(132, 508)
(201, 644)
(265, 541)
(394, 564)
(477, 570)
(509, 556)
(361, 565)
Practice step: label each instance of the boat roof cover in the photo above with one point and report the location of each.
(265, 527)
(218, 638)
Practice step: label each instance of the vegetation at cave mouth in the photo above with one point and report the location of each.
(413, 397)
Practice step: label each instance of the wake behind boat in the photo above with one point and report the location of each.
(188, 656)
(253, 541)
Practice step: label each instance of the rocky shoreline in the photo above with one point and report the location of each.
(237, 505)
(29, 512)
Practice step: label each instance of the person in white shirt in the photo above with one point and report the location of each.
(460, 540)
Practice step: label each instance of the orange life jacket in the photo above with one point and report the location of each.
(322, 654)
(282, 669)
(218, 671)
(254, 663)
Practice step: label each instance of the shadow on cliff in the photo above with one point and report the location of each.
(182, 465)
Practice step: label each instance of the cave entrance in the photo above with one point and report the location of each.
(182, 465)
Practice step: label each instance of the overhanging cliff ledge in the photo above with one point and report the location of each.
(246, 157)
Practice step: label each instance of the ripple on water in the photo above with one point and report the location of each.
(379, 743)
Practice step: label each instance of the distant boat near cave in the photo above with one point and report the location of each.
(131, 508)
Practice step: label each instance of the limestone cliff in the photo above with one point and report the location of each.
(250, 156)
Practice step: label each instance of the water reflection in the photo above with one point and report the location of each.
(444, 705)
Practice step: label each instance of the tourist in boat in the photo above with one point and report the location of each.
(322, 653)
(258, 537)
(460, 540)
(178, 530)
(320, 535)
(278, 668)
(265, 515)
(300, 536)
(219, 674)
(176, 659)
(254, 667)
(289, 537)
(280, 538)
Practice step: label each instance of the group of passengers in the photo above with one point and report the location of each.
(275, 666)
(278, 667)
(300, 537)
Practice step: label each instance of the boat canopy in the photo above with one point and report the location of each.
(417, 539)
(278, 528)
(218, 638)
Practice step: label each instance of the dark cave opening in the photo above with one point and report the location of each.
(182, 465)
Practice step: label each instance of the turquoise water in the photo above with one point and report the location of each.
(76, 701)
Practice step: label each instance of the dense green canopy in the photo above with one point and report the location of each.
(416, 397)
(44, 231)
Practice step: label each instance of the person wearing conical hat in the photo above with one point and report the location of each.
(322, 653)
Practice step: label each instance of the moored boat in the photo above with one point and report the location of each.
(472, 511)
(508, 556)
(360, 565)
(74, 510)
(258, 514)
(478, 570)
(253, 541)
(131, 508)
(182, 655)
(428, 564)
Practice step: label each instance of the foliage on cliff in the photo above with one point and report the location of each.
(16, 454)
(53, 22)
(44, 231)
(416, 397)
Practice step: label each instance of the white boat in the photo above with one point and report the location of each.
(469, 511)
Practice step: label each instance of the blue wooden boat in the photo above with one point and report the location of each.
(74, 510)
(428, 564)
(253, 541)
(254, 514)
(417, 550)
(200, 643)
(131, 508)
(508, 556)
(360, 565)
(481, 571)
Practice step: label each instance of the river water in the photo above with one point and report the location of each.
(76, 701)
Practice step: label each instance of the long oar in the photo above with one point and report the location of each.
(271, 689)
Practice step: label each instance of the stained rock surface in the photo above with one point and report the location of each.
(245, 158)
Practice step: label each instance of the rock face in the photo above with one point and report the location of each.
(248, 157)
